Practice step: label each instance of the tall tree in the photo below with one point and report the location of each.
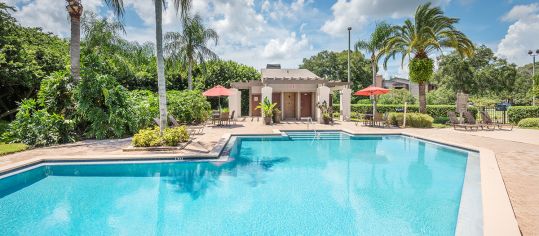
(375, 45)
(75, 9)
(190, 46)
(183, 6)
(428, 32)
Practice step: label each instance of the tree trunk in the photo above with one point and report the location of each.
(422, 98)
(190, 76)
(74, 9)
(161, 83)
(373, 65)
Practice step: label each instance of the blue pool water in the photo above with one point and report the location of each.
(366, 185)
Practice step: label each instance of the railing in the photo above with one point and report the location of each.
(496, 115)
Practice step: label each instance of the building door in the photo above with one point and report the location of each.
(289, 106)
(255, 101)
(276, 98)
(306, 105)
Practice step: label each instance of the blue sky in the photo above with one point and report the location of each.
(257, 32)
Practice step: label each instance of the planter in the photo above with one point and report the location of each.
(267, 120)
(277, 117)
(326, 120)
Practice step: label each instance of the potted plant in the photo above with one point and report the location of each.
(267, 110)
(326, 114)
(276, 115)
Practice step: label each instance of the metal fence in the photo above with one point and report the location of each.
(497, 114)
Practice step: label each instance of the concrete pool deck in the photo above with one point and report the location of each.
(515, 153)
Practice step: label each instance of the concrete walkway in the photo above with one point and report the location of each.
(517, 154)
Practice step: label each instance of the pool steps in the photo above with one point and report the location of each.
(311, 135)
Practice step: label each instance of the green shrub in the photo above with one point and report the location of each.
(415, 120)
(144, 106)
(150, 137)
(517, 113)
(397, 96)
(55, 93)
(529, 123)
(432, 110)
(9, 148)
(102, 104)
(188, 106)
(441, 120)
(37, 127)
(175, 136)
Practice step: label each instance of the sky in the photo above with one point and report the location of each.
(259, 32)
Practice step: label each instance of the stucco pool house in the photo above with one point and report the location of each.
(296, 92)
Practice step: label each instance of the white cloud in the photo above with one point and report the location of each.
(522, 35)
(51, 15)
(285, 48)
(357, 13)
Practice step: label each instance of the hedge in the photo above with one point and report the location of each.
(517, 113)
(529, 123)
(432, 110)
(415, 120)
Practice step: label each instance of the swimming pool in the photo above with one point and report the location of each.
(296, 184)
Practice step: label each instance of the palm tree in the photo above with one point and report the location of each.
(430, 31)
(74, 8)
(375, 45)
(190, 46)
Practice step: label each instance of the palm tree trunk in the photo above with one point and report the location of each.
(422, 98)
(161, 84)
(74, 9)
(373, 65)
(190, 76)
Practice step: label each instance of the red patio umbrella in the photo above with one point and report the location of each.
(217, 91)
(372, 90)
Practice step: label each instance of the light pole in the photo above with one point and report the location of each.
(349, 29)
(530, 52)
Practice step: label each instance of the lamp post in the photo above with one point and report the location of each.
(530, 52)
(349, 29)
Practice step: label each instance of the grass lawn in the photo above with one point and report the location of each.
(434, 125)
(7, 148)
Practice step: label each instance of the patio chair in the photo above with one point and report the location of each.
(232, 118)
(215, 116)
(485, 118)
(470, 119)
(224, 118)
(454, 121)
(381, 119)
(193, 129)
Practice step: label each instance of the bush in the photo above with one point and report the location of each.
(415, 120)
(150, 137)
(37, 127)
(188, 106)
(441, 96)
(55, 93)
(432, 110)
(517, 113)
(102, 104)
(144, 106)
(441, 120)
(529, 123)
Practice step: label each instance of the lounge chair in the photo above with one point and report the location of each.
(457, 124)
(193, 129)
(470, 119)
(381, 120)
(485, 117)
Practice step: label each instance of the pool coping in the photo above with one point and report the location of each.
(498, 215)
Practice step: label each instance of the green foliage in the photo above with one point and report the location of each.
(55, 93)
(334, 66)
(529, 123)
(396, 96)
(441, 96)
(103, 105)
(188, 106)
(27, 55)
(441, 120)
(267, 107)
(432, 110)
(421, 70)
(414, 120)
(144, 106)
(34, 126)
(150, 137)
(8, 148)
(517, 113)
(175, 136)
(219, 72)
